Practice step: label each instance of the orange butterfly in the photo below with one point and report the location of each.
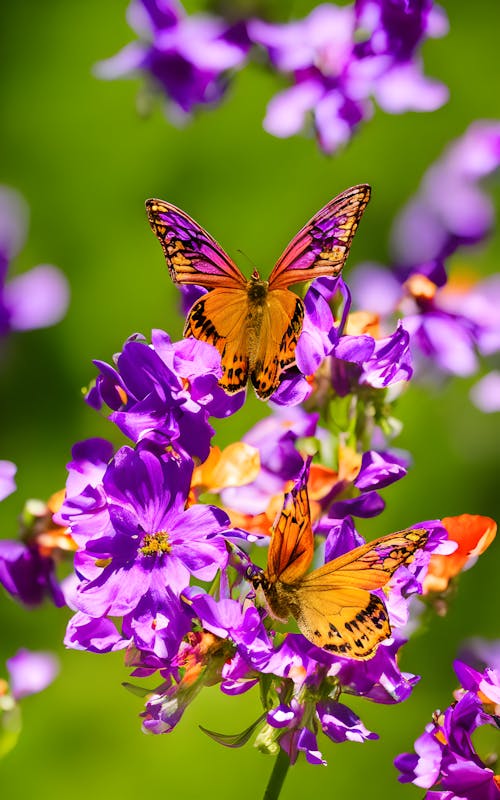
(332, 605)
(254, 324)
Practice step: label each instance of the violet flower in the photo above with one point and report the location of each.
(446, 760)
(339, 59)
(165, 392)
(34, 299)
(189, 59)
(452, 322)
(7, 482)
(151, 540)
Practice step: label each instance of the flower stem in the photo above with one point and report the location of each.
(278, 776)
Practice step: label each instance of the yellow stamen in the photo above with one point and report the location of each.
(155, 544)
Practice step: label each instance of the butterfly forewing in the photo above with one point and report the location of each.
(369, 566)
(292, 543)
(192, 255)
(322, 246)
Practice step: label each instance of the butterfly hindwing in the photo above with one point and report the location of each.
(348, 622)
(322, 246)
(280, 328)
(192, 255)
(216, 318)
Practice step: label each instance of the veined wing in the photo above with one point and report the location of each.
(219, 318)
(192, 255)
(322, 246)
(369, 566)
(346, 622)
(280, 329)
(292, 542)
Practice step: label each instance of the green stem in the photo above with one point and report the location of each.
(278, 776)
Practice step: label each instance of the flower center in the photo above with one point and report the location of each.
(155, 544)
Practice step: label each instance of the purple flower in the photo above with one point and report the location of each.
(355, 358)
(31, 672)
(341, 724)
(339, 58)
(451, 322)
(28, 565)
(95, 634)
(151, 541)
(275, 438)
(445, 756)
(165, 392)
(37, 298)
(7, 482)
(28, 575)
(187, 58)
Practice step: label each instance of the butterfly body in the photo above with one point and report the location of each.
(334, 606)
(254, 324)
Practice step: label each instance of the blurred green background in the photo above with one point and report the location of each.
(85, 162)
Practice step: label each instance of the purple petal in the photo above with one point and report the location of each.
(38, 298)
(31, 672)
(7, 483)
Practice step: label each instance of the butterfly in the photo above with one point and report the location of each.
(333, 605)
(255, 323)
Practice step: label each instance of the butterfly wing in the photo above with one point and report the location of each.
(346, 622)
(292, 543)
(219, 319)
(334, 607)
(322, 246)
(369, 566)
(192, 255)
(274, 349)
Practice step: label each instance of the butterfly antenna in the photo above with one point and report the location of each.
(255, 273)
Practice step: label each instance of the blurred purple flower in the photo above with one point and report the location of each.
(450, 208)
(37, 298)
(451, 322)
(339, 58)
(31, 672)
(445, 757)
(7, 482)
(275, 438)
(187, 58)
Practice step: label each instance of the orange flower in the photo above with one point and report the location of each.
(236, 465)
(473, 535)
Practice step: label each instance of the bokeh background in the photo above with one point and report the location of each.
(85, 162)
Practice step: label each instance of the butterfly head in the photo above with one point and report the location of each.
(255, 576)
(257, 288)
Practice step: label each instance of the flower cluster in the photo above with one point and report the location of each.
(167, 576)
(37, 298)
(446, 760)
(451, 318)
(338, 59)
(187, 58)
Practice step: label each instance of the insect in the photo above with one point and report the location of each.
(255, 323)
(333, 605)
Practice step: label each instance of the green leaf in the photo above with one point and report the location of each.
(140, 691)
(235, 739)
